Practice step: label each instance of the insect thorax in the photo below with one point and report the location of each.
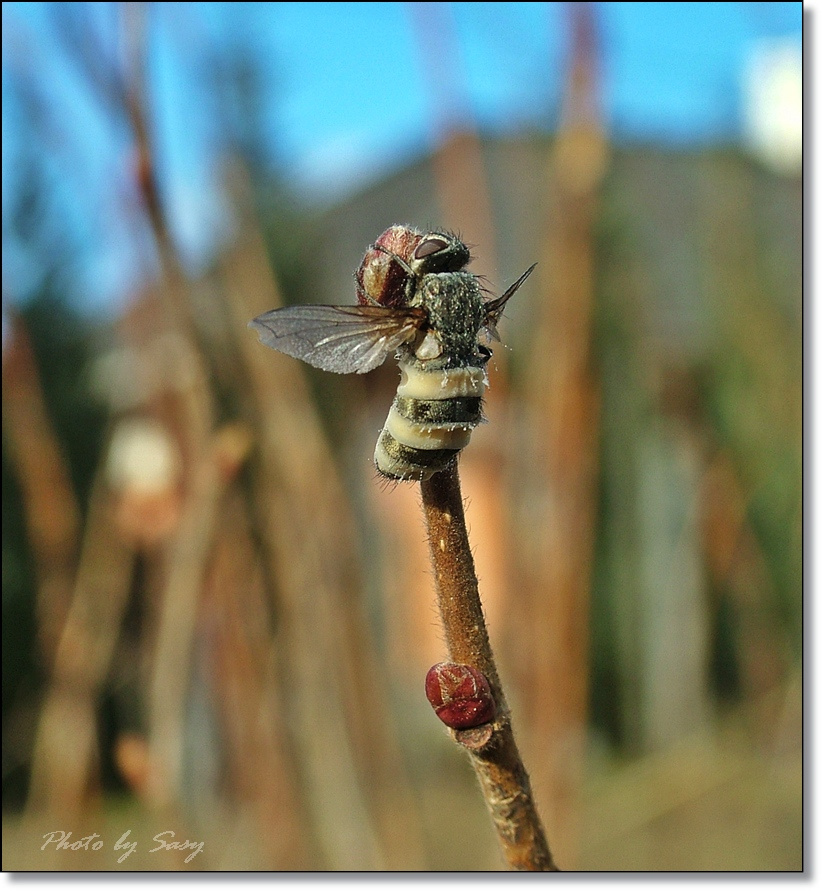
(439, 399)
(455, 315)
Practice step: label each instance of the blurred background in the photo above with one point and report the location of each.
(216, 620)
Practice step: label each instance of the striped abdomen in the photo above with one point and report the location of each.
(430, 421)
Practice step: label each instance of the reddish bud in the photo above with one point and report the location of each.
(460, 695)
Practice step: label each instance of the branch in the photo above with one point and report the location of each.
(492, 748)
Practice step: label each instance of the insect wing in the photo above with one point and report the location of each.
(343, 339)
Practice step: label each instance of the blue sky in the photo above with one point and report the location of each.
(347, 95)
(351, 90)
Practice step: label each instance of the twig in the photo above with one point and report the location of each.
(495, 757)
(49, 503)
(189, 556)
(65, 743)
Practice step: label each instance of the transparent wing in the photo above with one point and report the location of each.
(494, 308)
(343, 339)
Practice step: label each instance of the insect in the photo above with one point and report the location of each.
(415, 301)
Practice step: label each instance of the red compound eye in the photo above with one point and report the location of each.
(384, 276)
(460, 695)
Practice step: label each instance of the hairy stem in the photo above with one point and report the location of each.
(497, 761)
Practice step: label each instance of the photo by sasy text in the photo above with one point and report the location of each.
(163, 841)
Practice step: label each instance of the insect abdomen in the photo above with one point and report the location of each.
(430, 420)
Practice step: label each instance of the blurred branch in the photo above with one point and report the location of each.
(556, 472)
(67, 734)
(736, 561)
(193, 538)
(135, 99)
(51, 512)
(87, 49)
(264, 769)
(179, 609)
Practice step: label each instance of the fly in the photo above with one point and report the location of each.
(415, 302)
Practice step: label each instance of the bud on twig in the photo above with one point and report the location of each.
(460, 695)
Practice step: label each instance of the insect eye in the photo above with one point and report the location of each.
(428, 247)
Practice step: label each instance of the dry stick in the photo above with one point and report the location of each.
(497, 762)
(65, 741)
(193, 539)
(50, 506)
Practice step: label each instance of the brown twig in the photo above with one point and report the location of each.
(496, 760)
(49, 503)
(554, 459)
(65, 744)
